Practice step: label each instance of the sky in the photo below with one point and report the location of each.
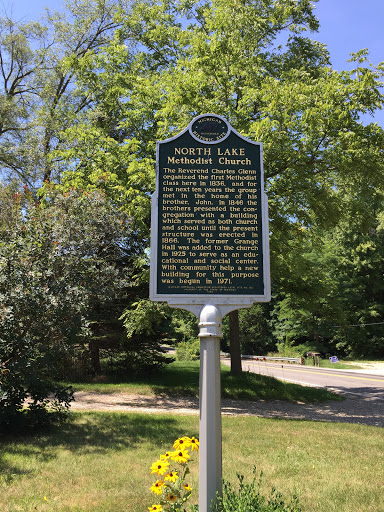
(345, 26)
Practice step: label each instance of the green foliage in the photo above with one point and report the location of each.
(184, 326)
(10, 198)
(37, 94)
(188, 350)
(248, 498)
(57, 260)
(255, 331)
(289, 349)
(158, 73)
(333, 298)
(145, 324)
(146, 318)
(360, 249)
(149, 324)
(86, 93)
(137, 358)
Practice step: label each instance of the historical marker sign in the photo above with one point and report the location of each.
(209, 252)
(209, 218)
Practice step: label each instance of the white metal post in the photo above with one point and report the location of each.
(210, 459)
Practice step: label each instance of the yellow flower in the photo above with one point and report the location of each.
(155, 508)
(157, 487)
(165, 456)
(160, 467)
(187, 488)
(171, 497)
(192, 443)
(180, 456)
(180, 443)
(172, 476)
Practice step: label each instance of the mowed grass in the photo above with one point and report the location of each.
(100, 462)
(181, 378)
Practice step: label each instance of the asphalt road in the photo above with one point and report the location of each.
(367, 385)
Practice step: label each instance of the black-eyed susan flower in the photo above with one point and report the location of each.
(155, 508)
(180, 443)
(157, 487)
(160, 467)
(193, 443)
(171, 497)
(180, 456)
(172, 476)
(165, 456)
(187, 487)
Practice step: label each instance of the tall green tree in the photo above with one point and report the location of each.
(333, 302)
(171, 61)
(359, 265)
(37, 95)
(86, 106)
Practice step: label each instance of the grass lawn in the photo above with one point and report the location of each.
(181, 378)
(100, 462)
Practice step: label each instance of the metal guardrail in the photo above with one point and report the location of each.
(299, 360)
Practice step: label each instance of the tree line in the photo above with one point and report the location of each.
(85, 94)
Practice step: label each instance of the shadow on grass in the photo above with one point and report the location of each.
(181, 379)
(98, 431)
(87, 433)
(251, 386)
(8, 474)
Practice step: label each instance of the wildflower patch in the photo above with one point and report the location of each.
(173, 489)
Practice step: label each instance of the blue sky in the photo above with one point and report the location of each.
(345, 26)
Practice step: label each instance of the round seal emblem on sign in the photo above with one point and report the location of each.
(209, 129)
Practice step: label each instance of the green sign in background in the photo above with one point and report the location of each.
(209, 238)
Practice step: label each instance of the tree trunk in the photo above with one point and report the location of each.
(234, 341)
(94, 351)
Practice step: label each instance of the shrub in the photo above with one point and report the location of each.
(248, 498)
(28, 400)
(146, 323)
(183, 326)
(57, 259)
(188, 350)
(293, 350)
(138, 357)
